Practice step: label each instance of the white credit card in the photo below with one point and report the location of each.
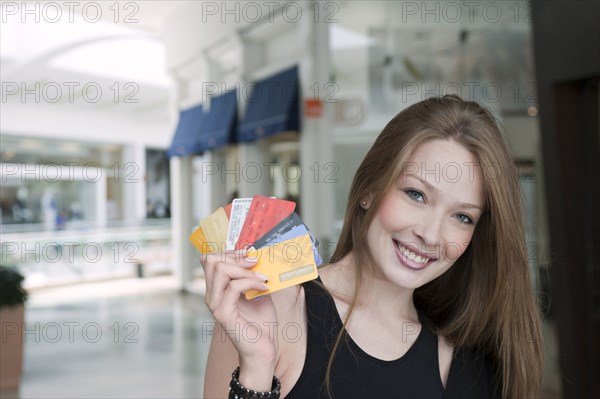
(239, 211)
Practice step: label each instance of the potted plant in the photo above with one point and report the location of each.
(12, 314)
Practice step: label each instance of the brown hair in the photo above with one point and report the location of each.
(485, 300)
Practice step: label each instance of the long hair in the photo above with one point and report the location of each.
(485, 300)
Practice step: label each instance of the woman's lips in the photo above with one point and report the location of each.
(413, 260)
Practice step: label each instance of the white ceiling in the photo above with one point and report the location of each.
(132, 50)
(66, 45)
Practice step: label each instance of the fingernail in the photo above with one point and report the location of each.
(261, 276)
(251, 259)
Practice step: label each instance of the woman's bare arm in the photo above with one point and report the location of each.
(222, 360)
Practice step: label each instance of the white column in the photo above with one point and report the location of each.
(209, 183)
(216, 181)
(316, 143)
(253, 173)
(201, 202)
(134, 193)
(182, 219)
(253, 169)
(101, 201)
(279, 180)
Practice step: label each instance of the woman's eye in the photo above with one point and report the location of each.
(415, 195)
(464, 218)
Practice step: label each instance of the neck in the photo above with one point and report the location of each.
(376, 293)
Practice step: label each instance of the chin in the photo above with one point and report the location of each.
(406, 282)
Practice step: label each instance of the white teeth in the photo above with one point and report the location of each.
(412, 256)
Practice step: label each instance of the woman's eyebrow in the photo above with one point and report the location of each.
(436, 191)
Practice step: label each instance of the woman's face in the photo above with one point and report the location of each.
(426, 221)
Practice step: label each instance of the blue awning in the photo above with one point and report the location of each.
(187, 136)
(199, 131)
(221, 121)
(272, 107)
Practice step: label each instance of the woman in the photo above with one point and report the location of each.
(429, 279)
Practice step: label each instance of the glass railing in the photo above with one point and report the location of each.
(87, 253)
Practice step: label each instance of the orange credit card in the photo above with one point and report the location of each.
(264, 214)
(199, 240)
(285, 264)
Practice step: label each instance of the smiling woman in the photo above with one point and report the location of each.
(427, 294)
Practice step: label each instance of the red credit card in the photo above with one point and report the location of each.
(227, 209)
(263, 215)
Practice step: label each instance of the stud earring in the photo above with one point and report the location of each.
(363, 203)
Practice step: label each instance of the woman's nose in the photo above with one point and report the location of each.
(429, 230)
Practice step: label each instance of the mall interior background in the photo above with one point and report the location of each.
(99, 194)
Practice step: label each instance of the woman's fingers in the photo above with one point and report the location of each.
(228, 276)
(214, 262)
(221, 269)
(223, 278)
(210, 263)
(226, 307)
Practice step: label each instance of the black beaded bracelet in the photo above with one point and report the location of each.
(238, 391)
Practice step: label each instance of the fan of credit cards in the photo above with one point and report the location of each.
(271, 231)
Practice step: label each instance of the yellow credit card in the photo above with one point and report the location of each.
(215, 227)
(285, 264)
(199, 240)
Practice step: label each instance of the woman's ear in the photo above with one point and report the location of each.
(365, 203)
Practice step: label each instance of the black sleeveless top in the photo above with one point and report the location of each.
(355, 374)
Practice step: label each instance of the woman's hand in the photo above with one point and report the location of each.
(251, 325)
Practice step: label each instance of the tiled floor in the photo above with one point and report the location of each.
(151, 343)
(134, 338)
